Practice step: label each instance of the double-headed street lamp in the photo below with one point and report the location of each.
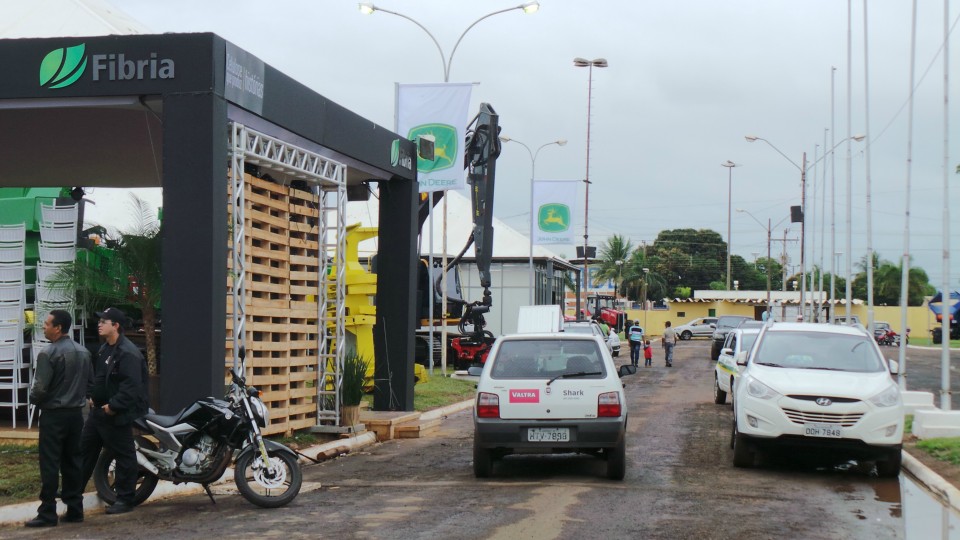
(367, 8)
(769, 229)
(533, 172)
(803, 194)
(589, 64)
(729, 165)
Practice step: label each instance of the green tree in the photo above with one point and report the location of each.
(617, 249)
(887, 278)
(690, 257)
(126, 272)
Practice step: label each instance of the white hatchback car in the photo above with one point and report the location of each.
(550, 393)
(821, 386)
(727, 370)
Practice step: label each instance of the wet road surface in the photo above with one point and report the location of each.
(680, 483)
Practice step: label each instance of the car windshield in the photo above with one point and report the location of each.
(547, 358)
(818, 350)
(728, 322)
(578, 329)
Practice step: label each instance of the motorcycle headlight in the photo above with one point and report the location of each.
(260, 411)
(887, 398)
(759, 390)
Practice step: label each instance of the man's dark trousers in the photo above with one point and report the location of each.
(59, 447)
(100, 431)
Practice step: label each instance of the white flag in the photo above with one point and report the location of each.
(553, 203)
(438, 111)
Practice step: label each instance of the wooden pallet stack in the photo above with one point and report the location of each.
(281, 310)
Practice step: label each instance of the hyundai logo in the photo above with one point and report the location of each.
(825, 402)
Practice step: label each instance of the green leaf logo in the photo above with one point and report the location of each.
(445, 146)
(62, 67)
(395, 152)
(553, 218)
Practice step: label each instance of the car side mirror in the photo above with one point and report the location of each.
(474, 371)
(627, 370)
(728, 351)
(894, 367)
(741, 358)
(713, 325)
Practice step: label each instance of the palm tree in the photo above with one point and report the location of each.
(614, 255)
(127, 271)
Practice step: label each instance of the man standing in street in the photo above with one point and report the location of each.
(119, 396)
(669, 339)
(59, 390)
(635, 336)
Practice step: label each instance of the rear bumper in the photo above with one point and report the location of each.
(584, 433)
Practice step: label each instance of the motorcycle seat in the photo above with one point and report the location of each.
(163, 421)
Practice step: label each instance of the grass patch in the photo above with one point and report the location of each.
(440, 391)
(20, 480)
(299, 439)
(945, 449)
(908, 424)
(928, 342)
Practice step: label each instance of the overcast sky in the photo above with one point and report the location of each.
(687, 80)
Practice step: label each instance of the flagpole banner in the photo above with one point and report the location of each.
(553, 204)
(437, 111)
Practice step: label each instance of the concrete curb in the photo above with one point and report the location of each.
(17, 514)
(944, 491)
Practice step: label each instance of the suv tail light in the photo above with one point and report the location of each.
(608, 405)
(488, 405)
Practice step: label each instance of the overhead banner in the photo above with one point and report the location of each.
(553, 203)
(439, 112)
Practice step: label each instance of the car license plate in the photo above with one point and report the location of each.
(822, 430)
(548, 435)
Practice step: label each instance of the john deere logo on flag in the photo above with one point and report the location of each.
(553, 218)
(445, 146)
(62, 67)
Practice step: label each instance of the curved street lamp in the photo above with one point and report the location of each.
(729, 165)
(533, 169)
(367, 8)
(803, 195)
(589, 64)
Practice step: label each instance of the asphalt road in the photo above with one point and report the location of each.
(680, 484)
(923, 371)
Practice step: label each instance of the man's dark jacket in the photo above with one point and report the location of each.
(64, 371)
(120, 379)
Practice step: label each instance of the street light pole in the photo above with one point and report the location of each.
(367, 8)
(589, 64)
(533, 172)
(769, 241)
(729, 165)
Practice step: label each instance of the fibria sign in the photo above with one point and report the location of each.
(62, 67)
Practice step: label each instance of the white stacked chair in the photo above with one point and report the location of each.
(14, 373)
(57, 249)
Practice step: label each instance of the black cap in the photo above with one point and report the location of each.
(113, 314)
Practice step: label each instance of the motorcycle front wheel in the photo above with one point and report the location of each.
(104, 479)
(268, 486)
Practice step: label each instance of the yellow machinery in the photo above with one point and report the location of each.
(361, 312)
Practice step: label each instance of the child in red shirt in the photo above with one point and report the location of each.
(647, 354)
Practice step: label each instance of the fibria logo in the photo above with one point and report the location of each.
(62, 67)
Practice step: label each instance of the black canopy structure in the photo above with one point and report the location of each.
(166, 111)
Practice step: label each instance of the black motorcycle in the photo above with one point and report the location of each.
(199, 443)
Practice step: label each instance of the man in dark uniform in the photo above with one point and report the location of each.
(119, 396)
(59, 390)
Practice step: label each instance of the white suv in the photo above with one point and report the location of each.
(824, 386)
(697, 328)
(550, 393)
(727, 369)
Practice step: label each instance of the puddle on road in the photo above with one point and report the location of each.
(925, 517)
